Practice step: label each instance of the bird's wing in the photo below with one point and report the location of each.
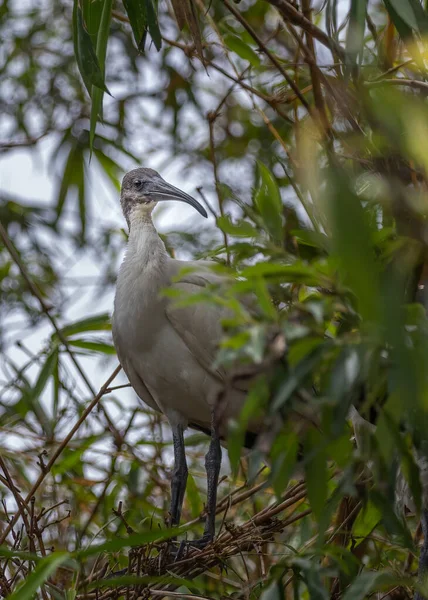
(134, 379)
(199, 325)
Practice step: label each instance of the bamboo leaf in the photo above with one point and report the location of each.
(33, 394)
(316, 472)
(45, 569)
(97, 93)
(240, 229)
(110, 167)
(136, 539)
(152, 24)
(143, 18)
(237, 45)
(268, 202)
(297, 375)
(407, 12)
(355, 34)
(362, 585)
(66, 182)
(93, 346)
(137, 14)
(273, 592)
(352, 244)
(366, 521)
(87, 60)
(99, 322)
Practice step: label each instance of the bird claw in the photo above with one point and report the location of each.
(184, 546)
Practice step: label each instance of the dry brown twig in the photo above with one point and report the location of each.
(249, 536)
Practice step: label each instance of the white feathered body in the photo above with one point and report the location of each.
(167, 352)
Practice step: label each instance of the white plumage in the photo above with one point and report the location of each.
(168, 352)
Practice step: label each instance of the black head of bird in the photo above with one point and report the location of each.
(143, 188)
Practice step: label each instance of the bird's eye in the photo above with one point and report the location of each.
(138, 183)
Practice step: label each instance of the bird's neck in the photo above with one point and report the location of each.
(144, 244)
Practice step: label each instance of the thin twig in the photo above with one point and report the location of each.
(58, 451)
(413, 83)
(269, 54)
(290, 13)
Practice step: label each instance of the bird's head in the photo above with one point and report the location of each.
(142, 189)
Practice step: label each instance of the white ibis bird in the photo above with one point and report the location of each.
(168, 352)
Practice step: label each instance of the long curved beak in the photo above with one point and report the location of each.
(161, 190)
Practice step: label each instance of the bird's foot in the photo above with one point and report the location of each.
(179, 550)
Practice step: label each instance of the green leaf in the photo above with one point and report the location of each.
(393, 524)
(235, 443)
(265, 303)
(128, 580)
(352, 244)
(312, 574)
(8, 553)
(32, 395)
(355, 34)
(44, 374)
(240, 229)
(284, 457)
(316, 471)
(110, 168)
(92, 11)
(409, 12)
(297, 375)
(101, 322)
(72, 457)
(87, 60)
(273, 592)
(297, 272)
(152, 22)
(93, 346)
(143, 18)
(44, 569)
(136, 539)
(193, 496)
(315, 239)
(66, 182)
(237, 45)
(362, 585)
(137, 14)
(268, 202)
(97, 93)
(366, 521)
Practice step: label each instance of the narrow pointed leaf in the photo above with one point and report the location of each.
(137, 14)
(95, 323)
(409, 12)
(45, 568)
(97, 93)
(237, 45)
(268, 202)
(152, 24)
(87, 60)
(93, 346)
(316, 472)
(355, 34)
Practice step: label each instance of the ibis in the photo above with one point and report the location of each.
(167, 352)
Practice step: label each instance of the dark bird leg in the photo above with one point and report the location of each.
(212, 467)
(179, 476)
(423, 559)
